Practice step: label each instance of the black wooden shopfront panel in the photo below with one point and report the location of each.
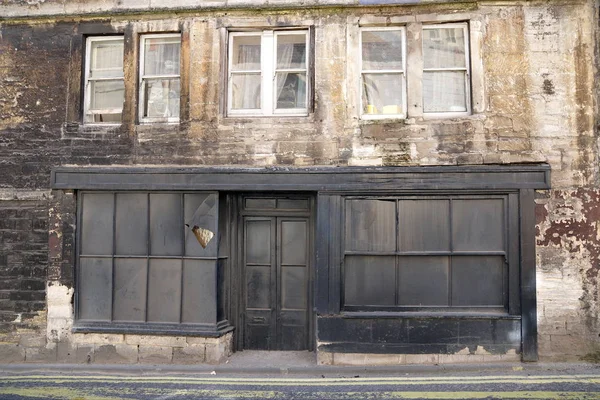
(140, 265)
(441, 251)
(431, 254)
(419, 335)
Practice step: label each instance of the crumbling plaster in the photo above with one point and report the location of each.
(537, 63)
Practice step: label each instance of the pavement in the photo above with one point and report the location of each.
(299, 362)
(285, 375)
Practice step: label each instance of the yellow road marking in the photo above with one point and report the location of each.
(275, 379)
(260, 381)
(245, 394)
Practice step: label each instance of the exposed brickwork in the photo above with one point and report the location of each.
(23, 266)
(536, 105)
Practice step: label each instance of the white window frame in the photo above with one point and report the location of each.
(268, 73)
(231, 73)
(403, 73)
(143, 77)
(466, 70)
(87, 111)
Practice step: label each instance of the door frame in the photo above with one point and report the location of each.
(238, 290)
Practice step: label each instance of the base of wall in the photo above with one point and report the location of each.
(96, 348)
(364, 359)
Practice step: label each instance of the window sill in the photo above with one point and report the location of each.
(475, 314)
(445, 115)
(258, 115)
(421, 119)
(379, 117)
(78, 129)
(98, 124)
(268, 119)
(159, 122)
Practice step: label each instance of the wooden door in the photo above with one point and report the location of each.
(276, 269)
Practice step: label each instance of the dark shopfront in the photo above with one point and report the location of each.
(415, 260)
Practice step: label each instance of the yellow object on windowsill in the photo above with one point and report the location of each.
(393, 109)
(371, 109)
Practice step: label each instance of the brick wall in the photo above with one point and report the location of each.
(23, 265)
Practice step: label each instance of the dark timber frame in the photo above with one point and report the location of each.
(330, 184)
(238, 271)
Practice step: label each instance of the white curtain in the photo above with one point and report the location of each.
(284, 59)
(247, 86)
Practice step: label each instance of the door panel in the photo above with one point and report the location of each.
(292, 283)
(258, 330)
(293, 242)
(276, 282)
(259, 269)
(258, 241)
(293, 332)
(293, 287)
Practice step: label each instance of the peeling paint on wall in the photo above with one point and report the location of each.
(568, 248)
(537, 106)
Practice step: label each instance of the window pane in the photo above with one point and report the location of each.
(477, 281)
(199, 291)
(161, 56)
(478, 225)
(371, 225)
(291, 51)
(164, 290)
(97, 223)
(107, 94)
(423, 281)
(291, 90)
(444, 91)
(245, 90)
(382, 50)
(130, 289)
(369, 280)
(166, 225)
(95, 277)
(107, 59)
(131, 220)
(444, 48)
(382, 94)
(246, 53)
(105, 117)
(200, 209)
(424, 225)
(162, 98)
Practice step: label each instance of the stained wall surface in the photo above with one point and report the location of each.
(533, 80)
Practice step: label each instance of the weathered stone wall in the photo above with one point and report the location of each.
(568, 242)
(536, 103)
(533, 102)
(36, 8)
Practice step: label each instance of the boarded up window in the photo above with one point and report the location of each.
(435, 252)
(140, 261)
